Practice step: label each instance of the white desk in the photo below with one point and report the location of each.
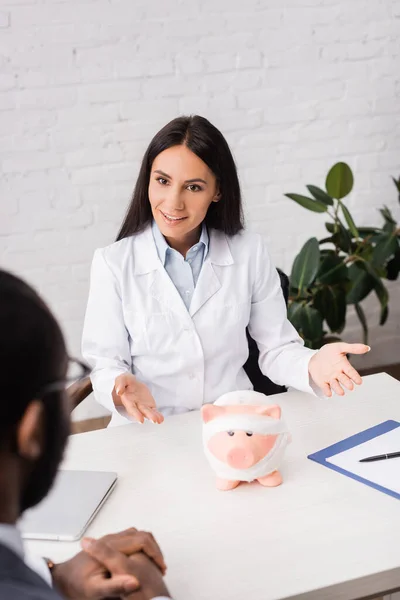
(320, 536)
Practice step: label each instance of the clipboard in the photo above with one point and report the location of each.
(322, 457)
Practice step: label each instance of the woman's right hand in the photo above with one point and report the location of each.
(136, 398)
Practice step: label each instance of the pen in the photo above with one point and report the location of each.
(381, 457)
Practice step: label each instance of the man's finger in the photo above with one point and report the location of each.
(113, 560)
(114, 587)
(150, 547)
(112, 538)
(354, 348)
(141, 542)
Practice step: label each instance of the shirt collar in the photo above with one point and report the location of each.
(163, 248)
(11, 538)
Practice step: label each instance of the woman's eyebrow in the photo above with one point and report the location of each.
(187, 180)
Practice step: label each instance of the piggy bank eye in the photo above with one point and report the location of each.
(249, 433)
(230, 433)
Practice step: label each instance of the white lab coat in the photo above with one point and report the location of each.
(136, 321)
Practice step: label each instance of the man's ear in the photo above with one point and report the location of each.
(30, 431)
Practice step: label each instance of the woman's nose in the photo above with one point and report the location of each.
(174, 200)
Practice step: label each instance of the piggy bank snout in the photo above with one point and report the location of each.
(241, 458)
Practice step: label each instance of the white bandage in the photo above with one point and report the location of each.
(250, 423)
(244, 422)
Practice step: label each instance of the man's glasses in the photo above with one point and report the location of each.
(77, 370)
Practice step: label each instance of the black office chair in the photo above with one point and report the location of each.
(260, 382)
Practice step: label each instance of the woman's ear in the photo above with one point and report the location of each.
(30, 431)
(217, 196)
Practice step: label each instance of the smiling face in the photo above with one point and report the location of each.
(181, 189)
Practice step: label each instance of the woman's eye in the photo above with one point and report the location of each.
(231, 433)
(193, 188)
(249, 433)
(162, 180)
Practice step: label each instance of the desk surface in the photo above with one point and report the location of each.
(319, 536)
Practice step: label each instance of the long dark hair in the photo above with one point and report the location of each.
(208, 143)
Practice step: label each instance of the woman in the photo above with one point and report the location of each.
(170, 300)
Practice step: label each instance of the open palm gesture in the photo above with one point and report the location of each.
(331, 370)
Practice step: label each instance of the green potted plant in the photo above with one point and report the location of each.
(343, 268)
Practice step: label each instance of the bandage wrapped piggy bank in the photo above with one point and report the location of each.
(244, 439)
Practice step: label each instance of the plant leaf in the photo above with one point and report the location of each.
(319, 194)
(311, 323)
(380, 290)
(332, 270)
(383, 297)
(314, 205)
(330, 339)
(362, 284)
(294, 311)
(330, 301)
(387, 215)
(330, 227)
(349, 220)
(342, 239)
(364, 232)
(339, 181)
(386, 246)
(305, 266)
(397, 183)
(363, 321)
(393, 266)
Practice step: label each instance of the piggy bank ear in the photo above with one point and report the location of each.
(210, 411)
(273, 411)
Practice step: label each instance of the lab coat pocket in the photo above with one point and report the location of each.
(153, 333)
(228, 325)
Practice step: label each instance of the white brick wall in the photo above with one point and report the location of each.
(294, 84)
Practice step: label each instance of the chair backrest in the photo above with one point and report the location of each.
(260, 382)
(78, 391)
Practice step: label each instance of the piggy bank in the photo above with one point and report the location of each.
(244, 439)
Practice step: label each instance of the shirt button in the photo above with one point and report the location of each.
(187, 292)
(192, 376)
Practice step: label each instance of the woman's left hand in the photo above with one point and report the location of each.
(330, 369)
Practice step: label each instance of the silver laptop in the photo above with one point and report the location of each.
(72, 504)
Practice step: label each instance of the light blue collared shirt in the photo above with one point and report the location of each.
(10, 537)
(183, 272)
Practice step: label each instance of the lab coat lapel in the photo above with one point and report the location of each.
(155, 278)
(207, 285)
(210, 278)
(166, 294)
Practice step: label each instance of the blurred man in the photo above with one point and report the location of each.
(34, 427)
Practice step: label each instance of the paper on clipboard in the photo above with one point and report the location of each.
(385, 473)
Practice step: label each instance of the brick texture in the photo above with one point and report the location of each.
(294, 85)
